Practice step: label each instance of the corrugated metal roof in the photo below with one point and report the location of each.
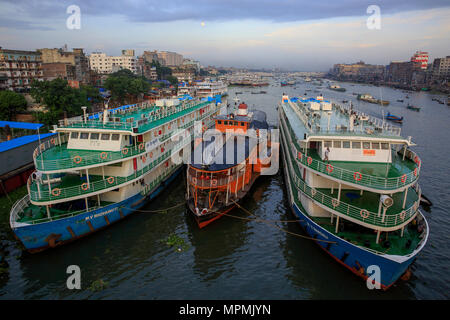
(21, 125)
(14, 143)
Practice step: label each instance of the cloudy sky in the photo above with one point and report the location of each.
(291, 34)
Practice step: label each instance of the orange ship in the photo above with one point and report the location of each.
(223, 169)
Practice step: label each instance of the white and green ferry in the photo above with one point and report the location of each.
(99, 168)
(362, 203)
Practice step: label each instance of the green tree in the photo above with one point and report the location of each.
(59, 97)
(162, 71)
(124, 84)
(11, 103)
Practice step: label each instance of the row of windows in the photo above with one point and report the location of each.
(231, 123)
(356, 145)
(95, 136)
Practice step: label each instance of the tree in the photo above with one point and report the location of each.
(162, 71)
(59, 97)
(11, 103)
(124, 83)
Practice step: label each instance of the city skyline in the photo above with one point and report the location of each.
(291, 35)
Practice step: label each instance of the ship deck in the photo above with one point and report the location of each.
(397, 168)
(367, 239)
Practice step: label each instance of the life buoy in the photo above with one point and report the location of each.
(52, 141)
(299, 155)
(141, 146)
(402, 215)
(162, 149)
(167, 164)
(151, 154)
(84, 186)
(194, 180)
(330, 168)
(160, 132)
(143, 158)
(204, 211)
(214, 182)
(417, 160)
(309, 160)
(110, 180)
(364, 213)
(415, 172)
(103, 155)
(77, 159)
(403, 179)
(357, 176)
(56, 192)
(125, 151)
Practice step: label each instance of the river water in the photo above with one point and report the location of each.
(240, 259)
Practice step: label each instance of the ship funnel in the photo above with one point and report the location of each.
(242, 110)
(386, 201)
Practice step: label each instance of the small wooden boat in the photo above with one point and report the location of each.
(393, 118)
(424, 201)
(415, 108)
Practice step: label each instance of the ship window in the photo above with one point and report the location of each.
(242, 123)
(115, 137)
(336, 144)
(375, 145)
(346, 144)
(84, 135)
(225, 122)
(385, 146)
(105, 136)
(94, 136)
(74, 135)
(327, 144)
(366, 145)
(356, 145)
(219, 121)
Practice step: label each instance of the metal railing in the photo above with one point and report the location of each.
(358, 213)
(84, 188)
(98, 157)
(355, 177)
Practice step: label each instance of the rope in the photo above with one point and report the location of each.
(277, 227)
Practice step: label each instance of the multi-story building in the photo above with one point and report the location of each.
(440, 69)
(18, 68)
(400, 72)
(76, 58)
(102, 63)
(145, 69)
(420, 59)
(191, 64)
(358, 72)
(170, 58)
(183, 74)
(56, 70)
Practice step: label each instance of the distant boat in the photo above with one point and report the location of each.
(399, 100)
(393, 118)
(415, 108)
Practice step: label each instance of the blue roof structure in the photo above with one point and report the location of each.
(21, 125)
(17, 142)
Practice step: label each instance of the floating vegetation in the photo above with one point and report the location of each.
(176, 242)
(98, 285)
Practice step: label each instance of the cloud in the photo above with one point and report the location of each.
(214, 10)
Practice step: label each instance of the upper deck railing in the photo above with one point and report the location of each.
(355, 177)
(374, 219)
(368, 125)
(48, 164)
(155, 116)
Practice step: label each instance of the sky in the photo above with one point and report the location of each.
(309, 35)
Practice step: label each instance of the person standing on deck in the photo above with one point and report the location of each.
(327, 152)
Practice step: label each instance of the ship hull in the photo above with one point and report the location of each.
(39, 237)
(349, 255)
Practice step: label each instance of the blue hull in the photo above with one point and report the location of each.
(350, 255)
(41, 236)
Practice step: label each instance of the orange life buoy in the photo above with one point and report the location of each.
(52, 141)
(84, 186)
(56, 192)
(144, 158)
(103, 155)
(77, 159)
(309, 160)
(364, 213)
(125, 151)
(299, 155)
(194, 180)
(357, 176)
(403, 179)
(141, 146)
(214, 182)
(417, 160)
(330, 168)
(415, 172)
(110, 180)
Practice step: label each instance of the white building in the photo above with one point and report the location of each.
(102, 63)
